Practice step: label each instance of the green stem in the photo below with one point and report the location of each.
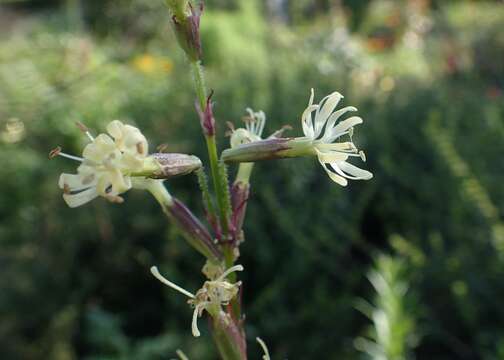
(244, 172)
(199, 83)
(220, 192)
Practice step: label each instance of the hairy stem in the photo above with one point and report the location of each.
(220, 191)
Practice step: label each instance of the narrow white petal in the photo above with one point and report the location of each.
(342, 127)
(334, 177)
(262, 121)
(329, 157)
(307, 121)
(334, 118)
(78, 182)
(71, 181)
(356, 172)
(312, 96)
(81, 198)
(346, 147)
(326, 107)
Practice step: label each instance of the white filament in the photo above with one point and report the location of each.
(154, 270)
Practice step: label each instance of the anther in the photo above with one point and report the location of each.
(84, 129)
(54, 152)
(140, 148)
(66, 189)
(362, 155)
(162, 148)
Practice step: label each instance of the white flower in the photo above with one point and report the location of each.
(106, 164)
(210, 297)
(254, 127)
(323, 129)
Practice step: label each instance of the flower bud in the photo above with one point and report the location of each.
(193, 230)
(207, 119)
(239, 197)
(170, 165)
(187, 27)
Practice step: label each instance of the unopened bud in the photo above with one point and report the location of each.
(239, 197)
(187, 26)
(207, 119)
(171, 164)
(193, 230)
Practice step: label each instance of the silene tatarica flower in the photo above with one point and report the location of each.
(113, 163)
(323, 132)
(322, 127)
(214, 294)
(254, 128)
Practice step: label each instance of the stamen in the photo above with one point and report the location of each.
(114, 199)
(54, 152)
(362, 155)
(229, 271)
(140, 148)
(230, 125)
(154, 270)
(66, 189)
(266, 355)
(280, 131)
(71, 157)
(162, 148)
(181, 355)
(85, 130)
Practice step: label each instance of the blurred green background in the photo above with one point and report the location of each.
(407, 265)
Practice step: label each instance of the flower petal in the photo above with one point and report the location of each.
(307, 121)
(330, 156)
(76, 182)
(340, 180)
(334, 177)
(342, 127)
(333, 119)
(355, 172)
(326, 107)
(81, 198)
(115, 129)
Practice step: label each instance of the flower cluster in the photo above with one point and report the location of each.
(254, 127)
(106, 165)
(215, 293)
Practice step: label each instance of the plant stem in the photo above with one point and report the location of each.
(220, 192)
(199, 83)
(227, 346)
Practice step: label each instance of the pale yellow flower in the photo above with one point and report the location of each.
(214, 294)
(106, 165)
(321, 125)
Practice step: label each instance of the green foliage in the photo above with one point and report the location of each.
(393, 333)
(75, 284)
